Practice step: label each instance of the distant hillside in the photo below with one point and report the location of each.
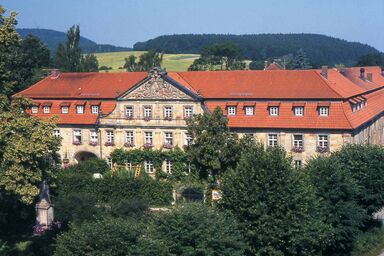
(321, 50)
(52, 38)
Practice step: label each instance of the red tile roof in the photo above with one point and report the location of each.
(72, 117)
(84, 85)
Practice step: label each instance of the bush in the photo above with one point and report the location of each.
(132, 207)
(104, 68)
(372, 240)
(4, 249)
(195, 229)
(91, 166)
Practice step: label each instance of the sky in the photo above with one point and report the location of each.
(124, 22)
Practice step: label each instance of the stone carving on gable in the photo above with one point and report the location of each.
(157, 88)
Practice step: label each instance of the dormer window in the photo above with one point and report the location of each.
(95, 109)
(46, 109)
(249, 110)
(80, 109)
(35, 109)
(64, 109)
(273, 111)
(323, 111)
(231, 110)
(299, 111)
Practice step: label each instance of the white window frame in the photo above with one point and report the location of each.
(130, 137)
(299, 111)
(148, 138)
(78, 136)
(323, 111)
(147, 111)
(296, 142)
(64, 109)
(168, 112)
(187, 139)
(93, 136)
(168, 138)
(298, 163)
(168, 166)
(231, 110)
(46, 109)
(188, 112)
(35, 109)
(56, 133)
(273, 139)
(80, 109)
(148, 166)
(110, 136)
(273, 111)
(249, 110)
(323, 140)
(95, 109)
(128, 111)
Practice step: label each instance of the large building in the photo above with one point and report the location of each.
(306, 111)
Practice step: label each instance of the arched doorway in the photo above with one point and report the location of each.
(82, 156)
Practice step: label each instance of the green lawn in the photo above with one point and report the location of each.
(171, 62)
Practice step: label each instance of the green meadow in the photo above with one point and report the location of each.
(171, 62)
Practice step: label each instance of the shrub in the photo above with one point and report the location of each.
(196, 229)
(92, 165)
(372, 240)
(4, 248)
(129, 207)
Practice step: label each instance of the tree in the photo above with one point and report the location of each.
(339, 192)
(299, 61)
(256, 65)
(372, 59)
(276, 206)
(226, 56)
(214, 148)
(198, 230)
(27, 150)
(146, 61)
(68, 58)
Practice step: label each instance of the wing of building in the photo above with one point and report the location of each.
(306, 111)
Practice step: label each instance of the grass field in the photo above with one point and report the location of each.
(171, 62)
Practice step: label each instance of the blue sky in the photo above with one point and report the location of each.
(124, 22)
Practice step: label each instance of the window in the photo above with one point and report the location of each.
(110, 162)
(298, 163)
(187, 139)
(129, 111)
(299, 111)
(129, 137)
(274, 111)
(148, 139)
(35, 109)
(46, 109)
(249, 111)
(323, 111)
(93, 137)
(168, 166)
(298, 140)
(323, 141)
(64, 110)
(249, 135)
(231, 110)
(109, 137)
(77, 137)
(80, 109)
(148, 112)
(56, 133)
(148, 166)
(94, 109)
(188, 112)
(168, 112)
(168, 138)
(272, 140)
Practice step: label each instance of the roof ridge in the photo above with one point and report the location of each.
(327, 83)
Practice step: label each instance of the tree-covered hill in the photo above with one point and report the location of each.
(52, 38)
(320, 49)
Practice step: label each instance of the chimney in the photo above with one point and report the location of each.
(55, 73)
(324, 71)
(362, 73)
(369, 77)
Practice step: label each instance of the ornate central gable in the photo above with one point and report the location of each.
(156, 87)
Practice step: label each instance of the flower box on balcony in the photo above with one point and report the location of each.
(93, 143)
(76, 143)
(167, 146)
(298, 149)
(322, 149)
(129, 117)
(147, 118)
(148, 145)
(129, 145)
(109, 144)
(168, 118)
